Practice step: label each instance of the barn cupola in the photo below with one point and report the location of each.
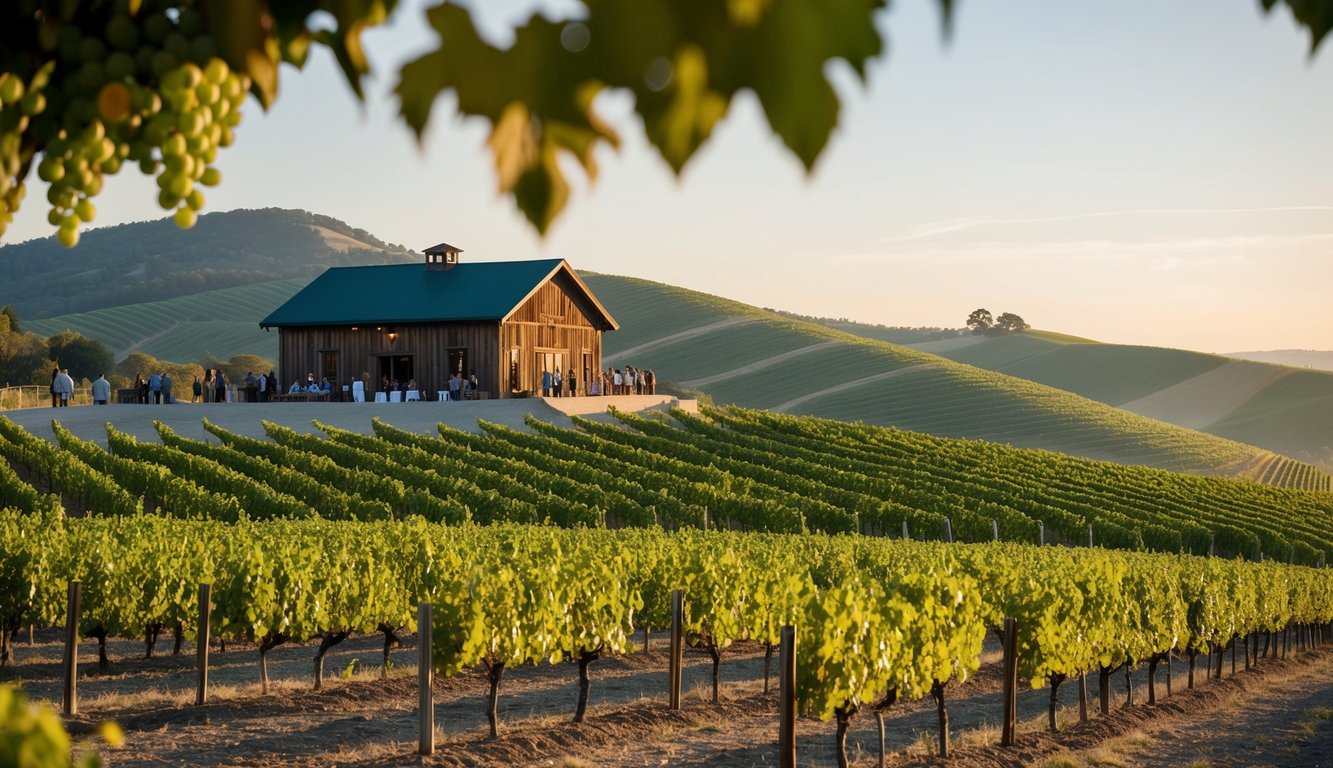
(442, 257)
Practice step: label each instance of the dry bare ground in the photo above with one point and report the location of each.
(1279, 715)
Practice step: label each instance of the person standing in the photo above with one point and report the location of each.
(473, 386)
(650, 381)
(55, 396)
(196, 390)
(546, 383)
(64, 387)
(166, 388)
(101, 390)
(219, 386)
(573, 383)
(155, 388)
(557, 383)
(261, 387)
(141, 388)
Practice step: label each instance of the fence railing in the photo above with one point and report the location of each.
(38, 395)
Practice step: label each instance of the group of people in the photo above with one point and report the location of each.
(156, 389)
(62, 388)
(612, 381)
(310, 387)
(629, 381)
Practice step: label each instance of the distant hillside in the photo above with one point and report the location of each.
(748, 356)
(156, 260)
(220, 323)
(1297, 358)
(1286, 410)
(735, 352)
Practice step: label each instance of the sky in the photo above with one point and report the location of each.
(1129, 171)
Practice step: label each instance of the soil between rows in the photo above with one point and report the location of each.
(1272, 714)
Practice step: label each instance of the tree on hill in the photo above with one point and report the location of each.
(238, 366)
(1011, 323)
(11, 318)
(980, 321)
(84, 357)
(92, 87)
(23, 358)
(182, 374)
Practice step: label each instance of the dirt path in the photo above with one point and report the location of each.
(1284, 720)
(767, 362)
(784, 407)
(689, 333)
(1209, 397)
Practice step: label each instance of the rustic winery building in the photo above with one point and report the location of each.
(507, 321)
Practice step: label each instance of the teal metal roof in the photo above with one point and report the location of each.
(411, 293)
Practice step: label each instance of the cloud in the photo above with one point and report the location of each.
(946, 226)
(1153, 254)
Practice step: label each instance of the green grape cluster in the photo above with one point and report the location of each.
(120, 87)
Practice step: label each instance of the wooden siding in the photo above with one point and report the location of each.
(359, 351)
(548, 321)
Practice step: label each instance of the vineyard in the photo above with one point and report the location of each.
(560, 543)
(733, 468)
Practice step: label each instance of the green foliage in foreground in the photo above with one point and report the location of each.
(873, 616)
(32, 736)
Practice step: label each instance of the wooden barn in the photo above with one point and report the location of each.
(506, 320)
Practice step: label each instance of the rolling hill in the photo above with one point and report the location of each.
(740, 354)
(156, 260)
(220, 323)
(1039, 390)
(1285, 409)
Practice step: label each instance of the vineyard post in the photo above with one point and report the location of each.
(1168, 673)
(1041, 533)
(1212, 543)
(905, 536)
(995, 530)
(677, 647)
(1009, 640)
(71, 666)
(948, 530)
(787, 698)
(201, 643)
(425, 681)
(1083, 697)
(1090, 535)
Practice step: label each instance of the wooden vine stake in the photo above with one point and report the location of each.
(787, 698)
(995, 530)
(1083, 697)
(71, 661)
(1009, 640)
(425, 681)
(677, 647)
(201, 643)
(948, 530)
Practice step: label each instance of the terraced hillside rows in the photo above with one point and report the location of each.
(731, 468)
(220, 323)
(743, 355)
(1284, 409)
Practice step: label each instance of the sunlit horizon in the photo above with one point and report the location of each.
(1124, 172)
